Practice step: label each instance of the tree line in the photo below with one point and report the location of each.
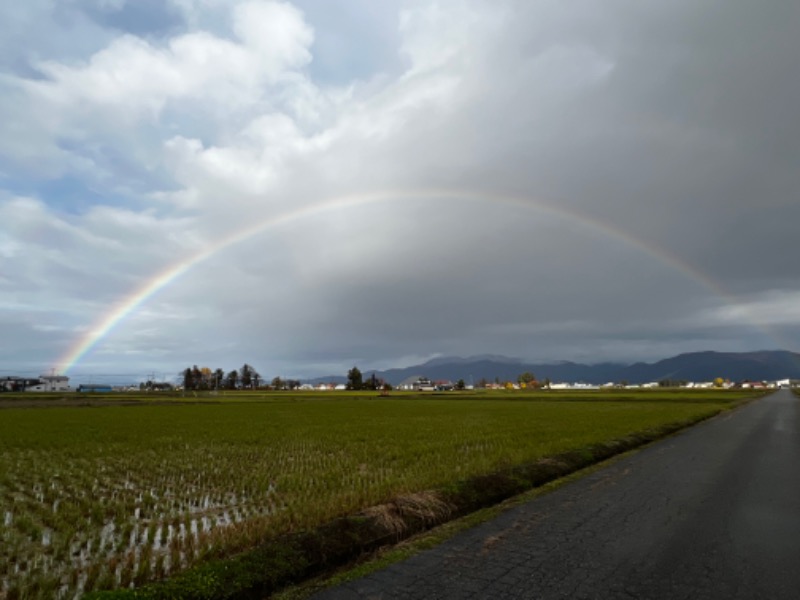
(356, 381)
(246, 378)
(203, 378)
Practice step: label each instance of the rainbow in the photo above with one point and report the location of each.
(127, 305)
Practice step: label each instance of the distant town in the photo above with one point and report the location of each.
(762, 369)
(60, 383)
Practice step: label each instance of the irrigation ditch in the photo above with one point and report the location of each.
(298, 556)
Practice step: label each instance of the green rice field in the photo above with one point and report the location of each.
(116, 491)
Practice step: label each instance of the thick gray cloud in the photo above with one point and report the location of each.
(545, 180)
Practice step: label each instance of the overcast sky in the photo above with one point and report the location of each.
(591, 181)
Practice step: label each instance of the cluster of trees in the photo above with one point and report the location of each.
(246, 378)
(524, 380)
(203, 378)
(527, 378)
(356, 381)
(284, 384)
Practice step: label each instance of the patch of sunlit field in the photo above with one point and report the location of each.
(107, 495)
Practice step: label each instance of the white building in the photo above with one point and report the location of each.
(51, 383)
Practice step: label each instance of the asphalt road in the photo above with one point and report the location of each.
(711, 513)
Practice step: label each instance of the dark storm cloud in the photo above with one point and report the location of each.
(687, 139)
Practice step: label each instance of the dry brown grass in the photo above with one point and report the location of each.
(394, 516)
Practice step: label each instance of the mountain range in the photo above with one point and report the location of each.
(769, 365)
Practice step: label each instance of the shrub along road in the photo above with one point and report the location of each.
(712, 513)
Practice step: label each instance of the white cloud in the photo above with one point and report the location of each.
(8, 246)
(277, 34)
(134, 76)
(124, 100)
(436, 35)
(83, 261)
(250, 163)
(768, 308)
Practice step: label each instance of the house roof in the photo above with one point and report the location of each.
(410, 380)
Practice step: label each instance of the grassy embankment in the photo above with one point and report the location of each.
(101, 495)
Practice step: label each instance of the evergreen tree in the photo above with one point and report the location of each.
(188, 379)
(246, 376)
(231, 380)
(354, 379)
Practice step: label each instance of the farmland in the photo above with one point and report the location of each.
(97, 494)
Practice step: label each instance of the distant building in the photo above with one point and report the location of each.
(15, 384)
(423, 384)
(573, 386)
(407, 383)
(417, 383)
(94, 388)
(49, 383)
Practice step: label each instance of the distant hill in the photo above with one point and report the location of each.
(767, 365)
(736, 366)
